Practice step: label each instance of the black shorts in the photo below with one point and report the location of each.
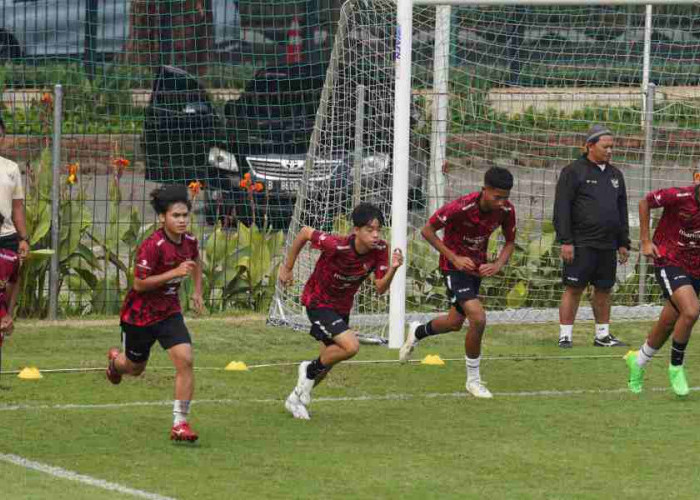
(591, 265)
(461, 287)
(671, 278)
(326, 324)
(138, 340)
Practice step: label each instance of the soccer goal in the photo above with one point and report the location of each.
(421, 97)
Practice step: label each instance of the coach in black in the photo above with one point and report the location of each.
(590, 218)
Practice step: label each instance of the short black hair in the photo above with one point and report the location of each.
(163, 197)
(365, 213)
(499, 178)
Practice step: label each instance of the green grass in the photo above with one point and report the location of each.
(406, 431)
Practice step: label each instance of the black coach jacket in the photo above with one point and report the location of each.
(590, 206)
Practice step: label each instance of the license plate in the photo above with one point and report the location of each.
(284, 185)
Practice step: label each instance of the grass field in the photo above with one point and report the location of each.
(558, 427)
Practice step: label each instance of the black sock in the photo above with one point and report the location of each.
(677, 353)
(315, 368)
(425, 330)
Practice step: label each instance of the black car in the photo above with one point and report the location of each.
(264, 133)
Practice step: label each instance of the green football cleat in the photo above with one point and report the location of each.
(679, 384)
(636, 380)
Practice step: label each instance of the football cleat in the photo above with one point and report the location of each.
(410, 343)
(477, 389)
(565, 343)
(294, 406)
(112, 374)
(636, 380)
(608, 341)
(304, 384)
(679, 384)
(183, 432)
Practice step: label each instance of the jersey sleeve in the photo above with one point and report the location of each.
(664, 197)
(508, 225)
(325, 242)
(146, 259)
(444, 214)
(381, 266)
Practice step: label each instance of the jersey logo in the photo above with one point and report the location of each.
(615, 182)
(591, 181)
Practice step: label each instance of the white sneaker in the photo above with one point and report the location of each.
(410, 343)
(295, 407)
(304, 385)
(477, 389)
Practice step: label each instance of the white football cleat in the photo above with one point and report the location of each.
(410, 343)
(304, 384)
(477, 389)
(295, 407)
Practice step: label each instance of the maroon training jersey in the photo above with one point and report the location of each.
(9, 273)
(467, 229)
(158, 255)
(677, 235)
(340, 271)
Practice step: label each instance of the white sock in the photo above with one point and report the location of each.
(602, 330)
(566, 331)
(180, 410)
(473, 369)
(646, 352)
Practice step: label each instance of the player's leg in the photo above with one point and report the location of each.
(474, 311)
(332, 330)
(450, 322)
(603, 279)
(457, 285)
(137, 342)
(686, 300)
(174, 337)
(575, 276)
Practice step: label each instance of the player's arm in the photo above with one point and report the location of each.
(304, 235)
(197, 300)
(461, 263)
(494, 267)
(384, 283)
(647, 247)
(157, 281)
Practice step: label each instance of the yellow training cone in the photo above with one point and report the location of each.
(30, 373)
(236, 366)
(433, 359)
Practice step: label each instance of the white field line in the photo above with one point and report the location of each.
(547, 393)
(80, 478)
(351, 362)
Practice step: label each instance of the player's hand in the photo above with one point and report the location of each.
(23, 250)
(185, 269)
(486, 270)
(286, 276)
(650, 250)
(198, 303)
(567, 253)
(7, 325)
(463, 263)
(396, 258)
(623, 254)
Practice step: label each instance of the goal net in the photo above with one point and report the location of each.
(514, 86)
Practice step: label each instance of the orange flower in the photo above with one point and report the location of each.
(73, 173)
(259, 186)
(246, 182)
(120, 164)
(195, 187)
(46, 99)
